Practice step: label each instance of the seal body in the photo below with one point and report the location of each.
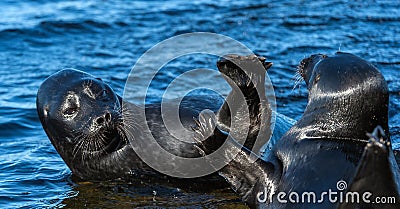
(82, 116)
(328, 146)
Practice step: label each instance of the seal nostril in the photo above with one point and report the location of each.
(108, 117)
(100, 120)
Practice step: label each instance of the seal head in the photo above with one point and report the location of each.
(82, 117)
(346, 93)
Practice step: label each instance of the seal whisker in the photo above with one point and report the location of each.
(80, 138)
(83, 148)
(127, 130)
(297, 80)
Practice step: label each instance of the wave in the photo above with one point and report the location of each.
(49, 27)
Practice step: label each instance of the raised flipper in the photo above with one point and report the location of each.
(246, 76)
(244, 171)
(377, 173)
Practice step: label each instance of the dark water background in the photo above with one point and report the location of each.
(105, 38)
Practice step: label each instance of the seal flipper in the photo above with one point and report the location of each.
(245, 172)
(248, 177)
(377, 173)
(246, 76)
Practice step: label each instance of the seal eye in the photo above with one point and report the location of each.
(70, 106)
(70, 111)
(104, 95)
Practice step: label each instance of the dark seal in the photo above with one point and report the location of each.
(82, 116)
(328, 150)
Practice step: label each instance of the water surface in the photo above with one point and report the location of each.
(105, 38)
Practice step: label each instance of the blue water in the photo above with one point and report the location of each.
(105, 38)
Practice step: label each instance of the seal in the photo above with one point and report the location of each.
(327, 149)
(82, 117)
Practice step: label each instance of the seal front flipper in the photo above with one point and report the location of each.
(377, 174)
(246, 76)
(247, 174)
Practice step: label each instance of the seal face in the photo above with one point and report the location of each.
(86, 107)
(82, 117)
(348, 97)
